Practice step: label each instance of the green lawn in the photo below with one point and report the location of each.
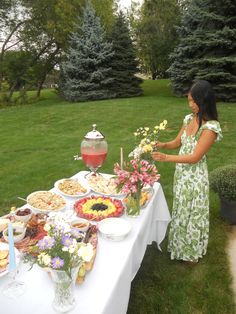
(38, 142)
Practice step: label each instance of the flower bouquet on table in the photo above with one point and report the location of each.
(62, 251)
(132, 178)
(146, 140)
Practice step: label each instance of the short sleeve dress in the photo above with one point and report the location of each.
(189, 228)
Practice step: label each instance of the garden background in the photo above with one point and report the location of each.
(38, 142)
(101, 54)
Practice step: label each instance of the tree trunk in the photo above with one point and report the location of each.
(40, 85)
(154, 75)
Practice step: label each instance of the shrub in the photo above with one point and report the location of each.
(223, 182)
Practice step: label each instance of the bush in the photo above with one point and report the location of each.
(223, 182)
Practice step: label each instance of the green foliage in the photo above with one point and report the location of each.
(16, 64)
(4, 90)
(207, 48)
(223, 181)
(86, 74)
(155, 34)
(124, 63)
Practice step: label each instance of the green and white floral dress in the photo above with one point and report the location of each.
(189, 228)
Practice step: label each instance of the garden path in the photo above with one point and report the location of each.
(231, 250)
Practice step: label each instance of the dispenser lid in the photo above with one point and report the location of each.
(94, 134)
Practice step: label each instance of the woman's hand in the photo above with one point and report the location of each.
(157, 156)
(160, 145)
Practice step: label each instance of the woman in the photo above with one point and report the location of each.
(188, 235)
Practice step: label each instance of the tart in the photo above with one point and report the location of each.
(98, 207)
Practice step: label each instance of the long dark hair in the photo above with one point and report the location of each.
(204, 96)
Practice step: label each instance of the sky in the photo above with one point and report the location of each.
(126, 3)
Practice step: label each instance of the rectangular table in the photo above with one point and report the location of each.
(106, 288)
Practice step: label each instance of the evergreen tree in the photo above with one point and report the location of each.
(85, 74)
(207, 48)
(124, 63)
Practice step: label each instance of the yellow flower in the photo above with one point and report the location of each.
(156, 127)
(146, 129)
(147, 148)
(162, 126)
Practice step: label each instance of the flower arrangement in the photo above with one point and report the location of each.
(135, 175)
(62, 248)
(146, 139)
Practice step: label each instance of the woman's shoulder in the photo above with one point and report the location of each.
(187, 118)
(214, 126)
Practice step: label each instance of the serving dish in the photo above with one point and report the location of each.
(71, 187)
(5, 246)
(115, 229)
(80, 223)
(45, 201)
(98, 207)
(18, 234)
(23, 214)
(104, 185)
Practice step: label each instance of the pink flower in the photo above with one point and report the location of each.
(135, 176)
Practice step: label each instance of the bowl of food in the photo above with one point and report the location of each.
(45, 201)
(23, 214)
(18, 234)
(115, 229)
(81, 224)
(71, 188)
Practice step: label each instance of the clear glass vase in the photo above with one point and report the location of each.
(64, 300)
(133, 205)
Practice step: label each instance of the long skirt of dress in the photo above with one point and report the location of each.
(189, 228)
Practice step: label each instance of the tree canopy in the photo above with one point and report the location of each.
(86, 74)
(124, 62)
(207, 48)
(154, 30)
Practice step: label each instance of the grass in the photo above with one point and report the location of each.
(38, 142)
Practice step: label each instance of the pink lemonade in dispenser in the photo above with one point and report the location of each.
(93, 159)
(93, 149)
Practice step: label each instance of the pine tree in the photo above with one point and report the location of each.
(124, 64)
(85, 74)
(207, 48)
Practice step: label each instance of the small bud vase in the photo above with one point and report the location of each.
(133, 205)
(64, 300)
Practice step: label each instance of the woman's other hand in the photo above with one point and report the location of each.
(157, 156)
(160, 145)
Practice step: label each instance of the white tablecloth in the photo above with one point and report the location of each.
(106, 287)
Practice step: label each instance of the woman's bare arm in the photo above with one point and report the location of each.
(176, 143)
(205, 141)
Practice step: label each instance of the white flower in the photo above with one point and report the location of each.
(47, 227)
(71, 249)
(86, 252)
(136, 153)
(44, 259)
(65, 249)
